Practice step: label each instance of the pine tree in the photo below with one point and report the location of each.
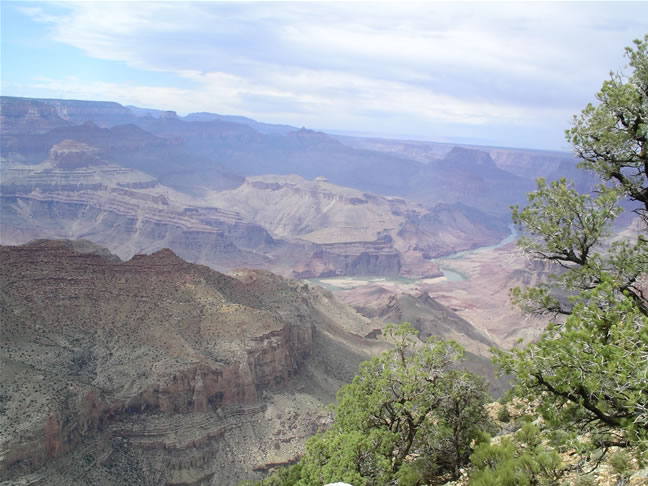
(589, 370)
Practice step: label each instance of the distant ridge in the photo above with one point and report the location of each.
(203, 116)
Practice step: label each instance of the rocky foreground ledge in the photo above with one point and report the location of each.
(158, 371)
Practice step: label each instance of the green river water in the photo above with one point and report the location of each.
(450, 275)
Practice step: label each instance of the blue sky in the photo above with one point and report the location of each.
(508, 74)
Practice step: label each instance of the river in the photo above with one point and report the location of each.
(341, 283)
(454, 276)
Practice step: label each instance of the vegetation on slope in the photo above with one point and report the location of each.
(409, 416)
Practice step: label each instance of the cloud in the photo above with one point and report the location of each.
(516, 39)
(474, 64)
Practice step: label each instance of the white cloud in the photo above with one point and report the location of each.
(460, 63)
(512, 39)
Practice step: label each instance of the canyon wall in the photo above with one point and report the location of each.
(162, 362)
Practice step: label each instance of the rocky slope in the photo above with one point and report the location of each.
(77, 193)
(525, 163)
(389, 303)
(157, 371)
(67, 112)
(482, 294)
(428, 316)
(470, 303)
(470, 177)
(464, 175)
(127, 145)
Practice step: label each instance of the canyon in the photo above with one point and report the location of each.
(146, 340)
(286, 224)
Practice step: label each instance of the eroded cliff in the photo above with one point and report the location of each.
(157, 371)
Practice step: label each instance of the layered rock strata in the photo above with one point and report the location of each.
(157, 371)
(78, 193)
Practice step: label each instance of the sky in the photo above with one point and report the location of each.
(505, 74)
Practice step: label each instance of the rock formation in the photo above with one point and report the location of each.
(157, 371)
(78, 194)
(23, 115)
(104, 113)
(367, 233)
